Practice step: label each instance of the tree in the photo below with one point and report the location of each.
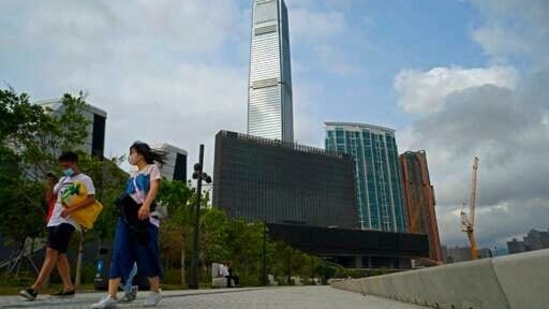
(176, 195)
(31, 138)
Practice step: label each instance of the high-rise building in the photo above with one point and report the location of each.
(420, 200)
(379, 190)
(95, 142)
(175, 167)
(266, 180)
(270, 107)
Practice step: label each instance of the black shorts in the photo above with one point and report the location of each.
(59, 237)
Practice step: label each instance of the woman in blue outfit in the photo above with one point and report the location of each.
(136, 237)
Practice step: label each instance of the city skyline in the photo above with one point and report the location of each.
(270, 105)
(470, 80)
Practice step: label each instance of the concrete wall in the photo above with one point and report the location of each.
(512, 282)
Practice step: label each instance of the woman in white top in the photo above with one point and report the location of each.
(136, 237)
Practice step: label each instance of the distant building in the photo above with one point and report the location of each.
(176, 163)
(379, 190)
(420, 200)
(516, 246)
(462, 254)
(534, 240)
(95, 143)
(261, 179)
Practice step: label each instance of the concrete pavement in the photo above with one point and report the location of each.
(261, 298)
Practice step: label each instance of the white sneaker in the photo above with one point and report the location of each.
(106, 302)
(131, 296)
(153, 299)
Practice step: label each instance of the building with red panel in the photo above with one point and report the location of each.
(420, 200)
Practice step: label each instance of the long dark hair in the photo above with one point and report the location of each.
(150, 155)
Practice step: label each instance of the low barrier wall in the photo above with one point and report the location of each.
(518, 281)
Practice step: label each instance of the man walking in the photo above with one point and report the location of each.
(61, 227)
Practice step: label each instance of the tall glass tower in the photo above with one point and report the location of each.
(379, 190)
(270, 110)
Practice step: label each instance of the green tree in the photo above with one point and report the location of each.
(31, 138)
(177, 196)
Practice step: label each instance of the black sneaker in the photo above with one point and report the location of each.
(63, 293)
(29, 294)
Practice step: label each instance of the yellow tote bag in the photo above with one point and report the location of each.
(75, 194)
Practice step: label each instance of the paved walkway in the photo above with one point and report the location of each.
(275, 298)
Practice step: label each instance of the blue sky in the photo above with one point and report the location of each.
(457, 78)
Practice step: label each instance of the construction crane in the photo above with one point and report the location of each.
(468, 220)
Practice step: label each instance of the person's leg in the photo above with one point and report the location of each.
(129, 281)
(148, 262)
(48, 266)
(63, 267)
(58, 241)
(122, 262)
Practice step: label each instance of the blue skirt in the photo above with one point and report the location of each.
(128, 250)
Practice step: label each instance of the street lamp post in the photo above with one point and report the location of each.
(265, 281)
(200, 176)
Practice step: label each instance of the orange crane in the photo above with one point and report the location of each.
(468, 221)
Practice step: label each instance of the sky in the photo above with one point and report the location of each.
(457, 78)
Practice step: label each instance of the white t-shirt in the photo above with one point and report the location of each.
(223, 270)
(59, 188)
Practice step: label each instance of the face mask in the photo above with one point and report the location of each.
(68, 172)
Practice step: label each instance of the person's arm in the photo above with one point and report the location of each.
(154, 176)
(145, 210)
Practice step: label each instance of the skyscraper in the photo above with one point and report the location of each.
(379, 191)
(420, 200)
(270, 107)
(175, 167)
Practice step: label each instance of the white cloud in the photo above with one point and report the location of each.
(165, 71)
(504, 125)
(493, 113)
(496, 41)
(512, 27)
(425, 92)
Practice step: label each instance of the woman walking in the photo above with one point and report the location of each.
(136, 236)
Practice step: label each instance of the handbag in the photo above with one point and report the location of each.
(77, 193)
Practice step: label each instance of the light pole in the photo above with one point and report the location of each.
(199, 175)
(265, 281)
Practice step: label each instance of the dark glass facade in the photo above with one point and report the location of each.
(262, 179)
(98, 136)
(180, 169)
(354, 248)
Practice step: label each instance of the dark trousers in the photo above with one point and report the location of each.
(235, 279)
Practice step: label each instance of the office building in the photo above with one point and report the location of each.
(175, 167)
(379, 190)
(270, 107)
(95, 142)
(267, 180)
(419, 198)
